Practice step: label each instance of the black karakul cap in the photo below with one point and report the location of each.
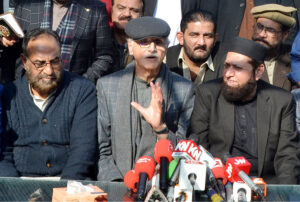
(146, 27)
(249, 48)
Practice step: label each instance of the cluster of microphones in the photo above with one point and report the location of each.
(190, 171)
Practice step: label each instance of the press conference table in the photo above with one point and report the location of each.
(16, 189)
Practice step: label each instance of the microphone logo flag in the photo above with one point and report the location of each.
(144, 160)
(229, 170)
(239, 161)
(187, 149)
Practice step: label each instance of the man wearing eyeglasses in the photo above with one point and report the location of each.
(141, 104)
(272, 27)
(82, 26)
(49, 116)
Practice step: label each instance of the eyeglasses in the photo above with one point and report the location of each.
(145, 43)
(269, 30)
(40, 65)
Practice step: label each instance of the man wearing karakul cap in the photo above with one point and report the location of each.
(272, 28)
(142, 103)
(245, 116)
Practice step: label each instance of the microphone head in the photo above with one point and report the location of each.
(187, 149)
(145, 164)
(219, 170)
(189, 168)
(163, 148)
(131, 179)
(263, 186)
(234, 165)
(241, 192)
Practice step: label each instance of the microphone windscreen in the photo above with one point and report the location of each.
(163, 148)
(131, 179)
(219, 171)
(145, 164)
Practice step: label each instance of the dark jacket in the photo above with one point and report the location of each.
(212, 126)
(91, 53)
(172, 58)
(117, 127)
(230, 16)
(59, 141)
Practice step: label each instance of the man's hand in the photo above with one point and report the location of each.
(8, 41)
(153, 113)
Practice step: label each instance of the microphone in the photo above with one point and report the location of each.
(155, 194)
(187, 149)
(172, 167)
(218, 172)
(229, 191)
(210, 162)
(163, 155)
(213, 195)
(241, 192)
(174, 172)
(237, 169)
(144, 167)
(207, 157)
(195, 172)
(262, 184)
(182, 195)
(214, 183)
(131, 179)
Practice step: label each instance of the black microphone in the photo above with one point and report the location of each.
(145, 168)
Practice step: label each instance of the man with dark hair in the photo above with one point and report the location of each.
(195, 57)
(49, 115)
(171, 11)
(246, 116)
(82, 26)
(271, 29)
(142, 103)
(121, 13)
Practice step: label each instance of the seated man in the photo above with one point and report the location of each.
(246, 116)
(49, 116)
(142, 103)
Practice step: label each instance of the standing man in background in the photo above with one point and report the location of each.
(194, 58)
(122, 12)
(83, 29)
(170, 11)
(271, 29)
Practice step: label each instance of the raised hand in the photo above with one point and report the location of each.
(153, 113)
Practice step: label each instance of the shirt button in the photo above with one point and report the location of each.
(49, 165)
(44, 121)
(45, 143)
